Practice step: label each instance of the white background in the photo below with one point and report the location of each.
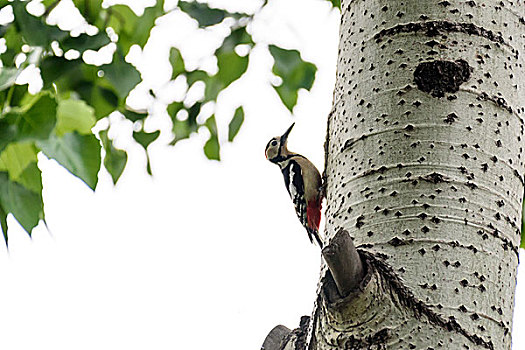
(201, 255)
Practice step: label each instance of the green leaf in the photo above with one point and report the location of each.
(335, 3)
(60, 71)
(231, 65)
(47, 3)
(295, 74)
(123, 75)
(19, 160)
(122, 19)
(146, 22)
(174, 108)
(85, 42)
(115, 159)
(14, 44)
(8, 77)
(90, 9)
(202, 13)
(131, 28)
(16, 157)
(36, 120)
(237, 37)
(8, 133)
(31, 178)
(103, 100)
(182, 129)
(20, 95)
(212, 147)
(177, 63)
(193, 112)
(145, 138)
(80, 154)
(196, 75)
(235, 123)
(207, 16)
(213, 87)
(3, 223)
(74, 115)
(134, 116)
(34, 31)
(25, 205)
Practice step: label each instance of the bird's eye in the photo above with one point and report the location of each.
(274, 143)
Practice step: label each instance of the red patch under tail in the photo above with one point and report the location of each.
(313, 214)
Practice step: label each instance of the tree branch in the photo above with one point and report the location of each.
(50, 8)
(275, 338)
(344, 262)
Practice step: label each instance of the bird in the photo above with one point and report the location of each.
(303, 182)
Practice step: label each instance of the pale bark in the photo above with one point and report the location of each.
(424, 169)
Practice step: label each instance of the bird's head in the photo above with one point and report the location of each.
(276, 148)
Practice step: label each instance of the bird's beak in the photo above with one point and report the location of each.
(284, 137)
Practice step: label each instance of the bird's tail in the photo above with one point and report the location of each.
(313, 233)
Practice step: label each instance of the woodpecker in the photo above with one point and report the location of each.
(302, 181)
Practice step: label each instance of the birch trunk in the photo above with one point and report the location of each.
(424, 169)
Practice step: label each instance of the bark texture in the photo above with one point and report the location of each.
(424, 169)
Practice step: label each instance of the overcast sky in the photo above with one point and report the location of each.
(201, 255)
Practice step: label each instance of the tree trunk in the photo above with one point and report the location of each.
(424, 169)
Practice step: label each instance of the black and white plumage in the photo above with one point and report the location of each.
(303, 182)
(293, 180)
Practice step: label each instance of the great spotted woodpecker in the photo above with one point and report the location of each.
(302, 181)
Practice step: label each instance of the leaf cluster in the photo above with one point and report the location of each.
(59, 120)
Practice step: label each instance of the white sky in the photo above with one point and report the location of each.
(204, 254)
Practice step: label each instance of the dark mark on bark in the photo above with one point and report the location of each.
(451, 118)
(359, 221)
(433, 28)
(506, 245)
(374, 341)
(517, 174)
(434, 178)
(438, 77)
(396, 242)
(471, 185)
(381, 170)
(498, 101)
(404, 297)
(350, 142)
